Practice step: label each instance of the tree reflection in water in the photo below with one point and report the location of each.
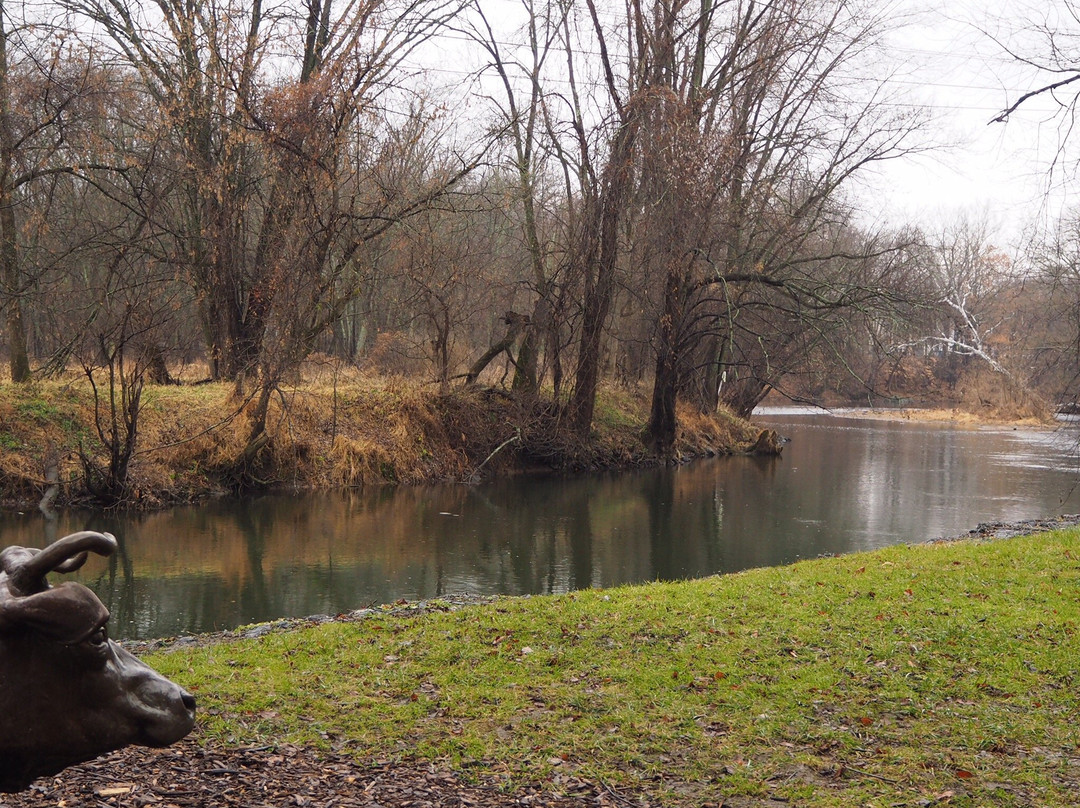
(841, 485)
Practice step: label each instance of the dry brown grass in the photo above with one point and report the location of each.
(332, 428)
(955, 415)
(700, 433)
(996, 397)
(982, 396)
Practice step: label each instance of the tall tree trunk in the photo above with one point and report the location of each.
(662, 420)
(602, 252)
(586, 380)
(442, 350)
(707, 387)
(525, 369)
(10, 280)
(222, 329)
(526, 374)
(18, 359)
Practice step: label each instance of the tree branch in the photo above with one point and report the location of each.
(1049, 88)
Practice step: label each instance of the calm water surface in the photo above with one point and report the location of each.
(843, 484)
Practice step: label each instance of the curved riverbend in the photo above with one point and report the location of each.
(843, 484)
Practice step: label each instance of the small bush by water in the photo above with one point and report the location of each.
(936, 674)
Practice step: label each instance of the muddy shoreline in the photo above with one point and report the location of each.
(1023, 527)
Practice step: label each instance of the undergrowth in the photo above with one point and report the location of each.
(345, 430)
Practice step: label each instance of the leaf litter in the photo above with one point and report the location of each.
(188, 774)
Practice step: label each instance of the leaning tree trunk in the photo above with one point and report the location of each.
(742, 395)
(516, 323)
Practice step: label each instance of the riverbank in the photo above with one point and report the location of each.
(937, 674)
(327, 431)
(953, 416)
(984, 531)
(947, 415)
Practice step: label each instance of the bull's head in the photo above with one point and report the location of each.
(67, 692)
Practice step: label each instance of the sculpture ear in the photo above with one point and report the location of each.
(11, 558)
(69, 612)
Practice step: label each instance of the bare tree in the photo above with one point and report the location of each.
(11, 286)
(1053, 311)
(968, 274)
(704, 148)
(133, 301)
(1043, 38)
(524, 113)
(48, 92)
(283, 163)
(751, 127)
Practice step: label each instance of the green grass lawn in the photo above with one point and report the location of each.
(937, 674)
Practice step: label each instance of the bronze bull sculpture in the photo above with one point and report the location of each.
(67, 692)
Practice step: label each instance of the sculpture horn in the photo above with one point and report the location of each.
(64, 555)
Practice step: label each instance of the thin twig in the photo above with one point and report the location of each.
(476, 472)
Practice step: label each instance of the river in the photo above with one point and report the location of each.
(843, 484)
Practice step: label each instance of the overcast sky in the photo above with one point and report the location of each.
(947, 62)
(967, 79)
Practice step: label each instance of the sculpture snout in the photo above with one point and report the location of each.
(162, 710)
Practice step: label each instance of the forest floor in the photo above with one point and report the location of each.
(934, 675)
(328, 430)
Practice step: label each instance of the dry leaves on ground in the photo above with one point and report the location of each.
(186, 775)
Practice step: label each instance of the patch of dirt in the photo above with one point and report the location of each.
(186, 775)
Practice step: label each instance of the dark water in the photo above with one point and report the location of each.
(842, 485)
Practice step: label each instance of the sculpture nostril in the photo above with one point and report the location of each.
(189, 701)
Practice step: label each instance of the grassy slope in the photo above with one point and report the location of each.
(326, 431)
(908, 676)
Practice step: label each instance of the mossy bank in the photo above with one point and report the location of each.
(935, 674)
(325, 431)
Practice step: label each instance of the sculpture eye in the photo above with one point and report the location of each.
(99, 637)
